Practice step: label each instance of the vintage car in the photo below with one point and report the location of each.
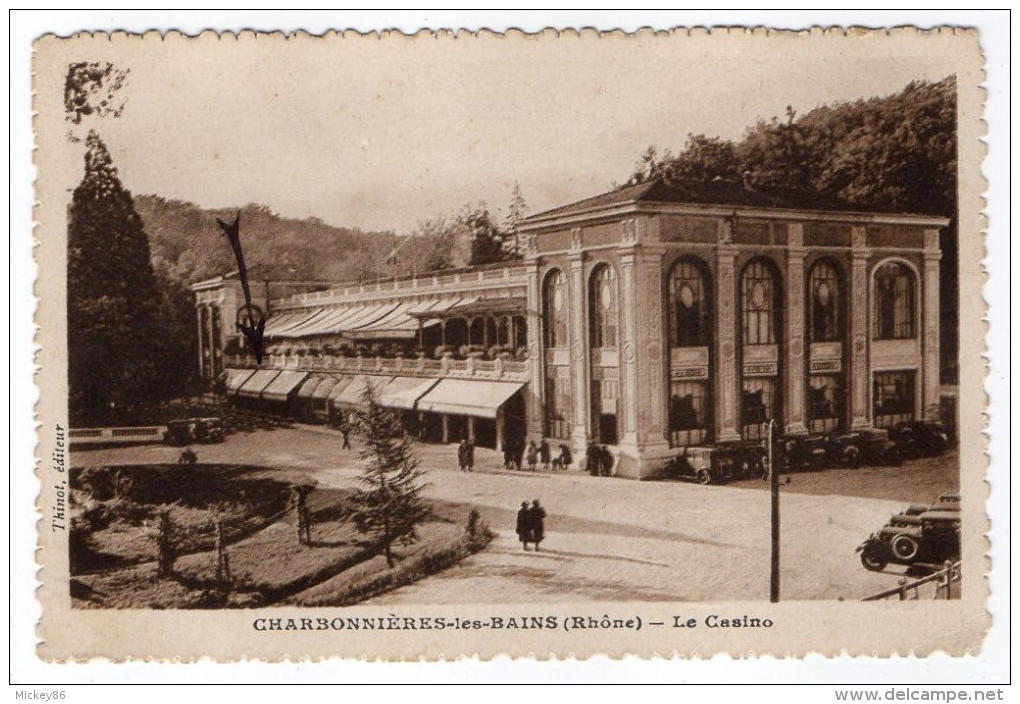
(915, 539)
(920, 438)
(189, 430)
(854, 448)
(209, 430)
(703, 464)
(746, 457)
(800, 452)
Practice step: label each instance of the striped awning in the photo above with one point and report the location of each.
(468, 397)
(236, 378)
(352, 393)
(404, 392)
(258, 381)
(285, 383)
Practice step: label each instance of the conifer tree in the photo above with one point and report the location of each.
(388, 507)
(112, 300)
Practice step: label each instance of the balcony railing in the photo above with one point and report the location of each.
(494, 369)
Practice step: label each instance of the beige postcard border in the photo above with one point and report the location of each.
(828, 628)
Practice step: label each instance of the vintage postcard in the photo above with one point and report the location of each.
(476, 344)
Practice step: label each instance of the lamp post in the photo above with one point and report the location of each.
(768, 429)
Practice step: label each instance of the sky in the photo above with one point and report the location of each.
(383, 133)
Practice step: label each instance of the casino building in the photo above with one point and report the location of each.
(646, 319)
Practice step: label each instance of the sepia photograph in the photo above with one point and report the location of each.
(350, 334)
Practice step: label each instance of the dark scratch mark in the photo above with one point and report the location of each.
(252, 323)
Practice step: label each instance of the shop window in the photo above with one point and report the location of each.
(688, 413)
(557, 407)
(825, 404)
(603, 307)
(554, 312)
(758, 407)
(824, 302)
(690, 319)
(759, 303)
(894, 302)
(894, 399)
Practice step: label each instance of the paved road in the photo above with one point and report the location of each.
(607, 538)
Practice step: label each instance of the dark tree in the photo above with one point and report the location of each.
(112, 300)
(516, 211)
(487, 240)
(389, 506)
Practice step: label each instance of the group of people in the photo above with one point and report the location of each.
(515, 453)
(466, 455)
(600, 461)
(531, 524)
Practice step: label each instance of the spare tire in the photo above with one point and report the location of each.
(905, 546)
(703, 476)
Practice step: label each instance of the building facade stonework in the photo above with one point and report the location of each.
(643, 324)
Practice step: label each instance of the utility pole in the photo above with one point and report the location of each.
(769, 428)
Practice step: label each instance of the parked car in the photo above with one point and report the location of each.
(800, 452)
(190, 430)
(920, 438)
(924, 539)
(208, 430)
(705, 465)
(854, 448)
(746, 457)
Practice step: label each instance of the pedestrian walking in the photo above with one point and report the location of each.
(519, 453)
(462, 454)
(536, 519)
(508, 453)
(524, 524)
(470, 455)
(345, 430)
(592, 460)
(544, 454)
(607, 461)
(532, 455)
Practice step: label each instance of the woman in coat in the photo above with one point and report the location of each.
(532, 455)
(536, 516)
(544, 454)
(524, 524)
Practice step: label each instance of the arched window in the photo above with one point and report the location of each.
(555, 305)
(759, 303)
(603, 307)
(690, 320)
(894, 302)
(824, 301)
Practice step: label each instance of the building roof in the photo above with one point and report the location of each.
(718, 192)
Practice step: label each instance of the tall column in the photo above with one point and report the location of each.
(212, 332)
(534, 405)
(628, 349)
(930, 316)
(726, 377)
(578, 353)
(793, 368)
(860, 382)
(199, 313)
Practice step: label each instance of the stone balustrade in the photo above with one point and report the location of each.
(471, 368)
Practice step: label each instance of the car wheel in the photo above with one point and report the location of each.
(873, 557)
(703, 476)
(905, 547)
(851, 457)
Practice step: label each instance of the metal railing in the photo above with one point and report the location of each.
(945, 582)
(99, 436)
